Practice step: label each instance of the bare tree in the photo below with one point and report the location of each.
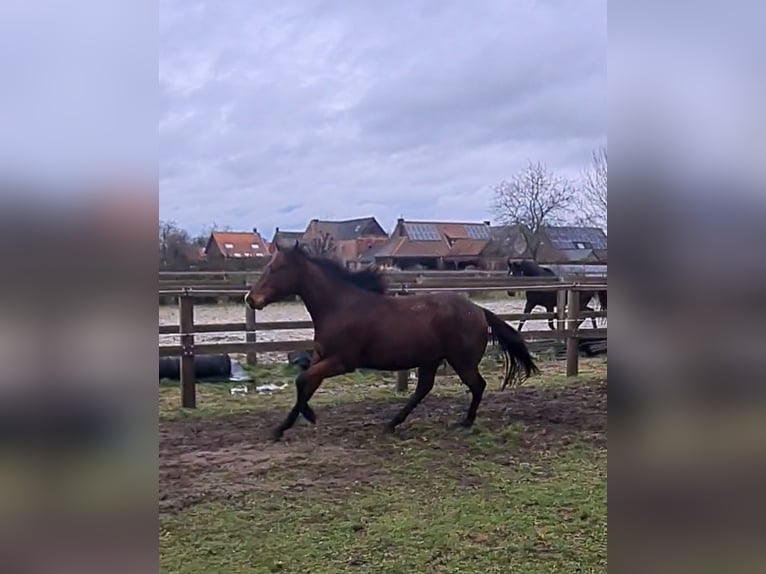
(174, 245)
(594, 190)
(321, 245)
(534, 197)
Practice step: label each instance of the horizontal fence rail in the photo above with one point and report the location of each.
(567, 321)
(462, 285)
(210, 281)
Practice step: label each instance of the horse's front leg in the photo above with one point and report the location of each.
(551, 309)
(527, 309)
(306, 385)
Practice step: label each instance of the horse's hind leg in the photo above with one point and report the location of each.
(426, 375)
(471, 378)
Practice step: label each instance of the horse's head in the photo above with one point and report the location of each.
(281, 278)
(526, 268)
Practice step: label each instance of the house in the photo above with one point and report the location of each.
(344, 240)
(434, 245)
(284, 239)
(570, 244)
(226, 245)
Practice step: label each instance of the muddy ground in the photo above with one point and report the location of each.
(223, 457)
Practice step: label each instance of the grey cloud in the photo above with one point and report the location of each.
(338, 110)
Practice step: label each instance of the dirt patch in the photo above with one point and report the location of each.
(227, 456)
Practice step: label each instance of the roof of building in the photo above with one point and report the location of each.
(467, 247)
(239, 244)
(575, 255)
(439, 230)
(349, 228)
(437, 239)
(570, 237)
(368, 255)
(286, 238)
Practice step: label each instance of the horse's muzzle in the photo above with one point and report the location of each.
(256, 302)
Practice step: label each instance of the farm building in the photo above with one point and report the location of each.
(435, 245)
(344, 240)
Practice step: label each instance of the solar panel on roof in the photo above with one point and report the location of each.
(567, 237)
(422, 231)
(477, 231)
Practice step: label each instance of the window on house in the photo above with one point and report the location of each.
(228, 245)
(255, 246)
(237, 255)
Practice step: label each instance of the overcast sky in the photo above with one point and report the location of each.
(272, 113)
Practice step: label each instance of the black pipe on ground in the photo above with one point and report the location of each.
(215, 367)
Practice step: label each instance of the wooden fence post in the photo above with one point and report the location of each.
(561, 309)
(250, 335)
(401, 381)
(186, 327)
(573, 314)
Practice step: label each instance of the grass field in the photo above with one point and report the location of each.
(523, 491)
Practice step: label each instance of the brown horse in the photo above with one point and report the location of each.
(356, 325)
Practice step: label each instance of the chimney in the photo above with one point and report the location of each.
(487, 222)
(399, 223)
(255, 230)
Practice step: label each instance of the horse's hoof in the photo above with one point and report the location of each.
(276, 436)
(388, 428)
(310, 415)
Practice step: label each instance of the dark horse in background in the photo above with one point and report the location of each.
(548, 299)
(357, 325)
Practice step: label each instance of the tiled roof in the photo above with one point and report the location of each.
(467, 247)
(440, 230)
(236, 244)
(350, 228)
(286, 238)
(437, 239)
(390, 247)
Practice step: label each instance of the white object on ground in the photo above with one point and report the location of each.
(267, 388)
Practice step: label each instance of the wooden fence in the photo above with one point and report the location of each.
(568, 319)
(170, 281)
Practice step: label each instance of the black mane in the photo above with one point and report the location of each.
(368, 279)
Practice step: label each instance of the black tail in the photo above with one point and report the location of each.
(519, 362)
